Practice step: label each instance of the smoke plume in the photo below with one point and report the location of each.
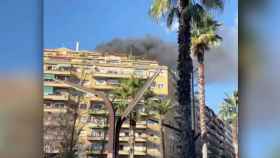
(219, 61)
(148, 46)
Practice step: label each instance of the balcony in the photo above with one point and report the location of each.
(139, 125)
(136, 152)
(98, 112)
(94, 125)
(153, 127)
(103, 86)
(96, 138)
(153, 139)
(57, 72)
(94, 98)
(55, 110)
(62, 97)
(81, 75)
(111, 75)
(96, 152)
(137, 139)
(48, 150)
(55, 84)
(118, 75)
(153, 152)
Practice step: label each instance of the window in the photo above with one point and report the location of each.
(49, 67)
(139, 73)
(47, 105)
(97, 69)
(113, 82)
(151, 73)
(151, 122)
(48, 116)
(83, 106)
(84, 119)
(87, 83)
(96, 106)
(58, 105)
(153, 85)
(96, 146)
(115, 61)
(126, 133)
(49, 77)
(97, 133)
(100, 82)
(48, 90)
(160, 85)
(121, 147)
(90, 118)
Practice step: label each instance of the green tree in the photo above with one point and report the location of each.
(185, 12)
(122, 95)
(162, 107)
(204, 36)
(228, 112)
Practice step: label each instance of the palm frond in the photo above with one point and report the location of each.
(197, 12)
(173, 13)
(159, 8)
(229, 109)
(204, 35)
(213, 4)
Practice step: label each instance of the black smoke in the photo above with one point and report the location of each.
(220, 62)
(146, 47)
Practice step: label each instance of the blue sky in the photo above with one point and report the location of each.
(20, 30)
(94, 22)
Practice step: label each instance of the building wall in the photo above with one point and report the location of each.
(103, 73)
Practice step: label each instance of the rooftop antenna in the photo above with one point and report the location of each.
(77, 46)
(130, 56)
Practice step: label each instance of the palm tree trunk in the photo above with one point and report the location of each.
(162, 143)
(202, 112)
(235, 140)
(132, 127)
(185, 141)
(117, 135)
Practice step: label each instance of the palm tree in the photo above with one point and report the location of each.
(187, 12)
(204, 36)
(229, 113)
(125, 92)
(162, 107)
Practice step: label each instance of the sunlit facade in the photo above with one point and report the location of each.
(99, 71)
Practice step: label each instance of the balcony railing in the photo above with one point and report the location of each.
(137, 139)
(98, 112)
(55, 84)
(96, 138)
(94, 125)
(119, 75)
(139, 125)
(136, 152)
(61, 72)
(95, 152)
(58, 110)
(62, 97)
(104, 86)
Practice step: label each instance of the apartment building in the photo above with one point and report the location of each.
(103, 72)
(219, 136)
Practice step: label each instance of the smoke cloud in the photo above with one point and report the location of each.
(148, 46)
(218, 61)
